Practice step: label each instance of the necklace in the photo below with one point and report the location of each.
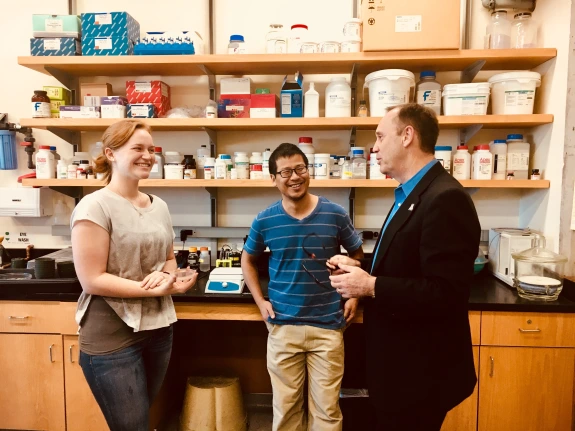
(136, 207)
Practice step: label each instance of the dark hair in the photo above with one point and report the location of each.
(285, 150)
(424, 122)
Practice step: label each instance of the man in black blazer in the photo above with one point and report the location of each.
(419, 354)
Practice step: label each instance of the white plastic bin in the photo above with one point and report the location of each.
(514, 92)
(388, 88)
(466, 99)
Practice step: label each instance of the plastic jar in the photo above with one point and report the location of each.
(204, 259)
(329, 47)
(209, 168)
(428, 91)
(256, 172)
(40, 105)
(387, 88)
(523, 31)
(466, 99)
(306, 146)
(322, 163)
(237, 44)
(347, 169)
(242, 164)
(518, 156)
(482, 163)
(462, 163)
(351, 45)
(190, 171)
(229, 165)
(45, 164)
(498, 33)
(173, 158)
(334, 168)
(157, 171)
(201, 154)
(72, 172)
(374, 171)
(358, 163)
(62, 170)
(443, 154)
(514, 92)
(266, 162)
(276, 40)
(174, 171)
(352, 29)
(256, 160)
(338, 98)
(499, 150)
(220, 169)
(298, 34)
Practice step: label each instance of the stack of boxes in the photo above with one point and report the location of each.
(236, 100)
(113, 33)
(55, 35)
(147, 99)
(59, 96)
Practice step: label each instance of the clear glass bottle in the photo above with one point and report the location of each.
(359, 165)
(193, 258)
(523, 31)
(276, 40)
(346, 169)
(204, 259)
(498, 34)
(362, 110)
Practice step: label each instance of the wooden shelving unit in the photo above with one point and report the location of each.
(285, 124)
(501, 184)
(270, 64)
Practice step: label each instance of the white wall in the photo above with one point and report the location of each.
(496, 208)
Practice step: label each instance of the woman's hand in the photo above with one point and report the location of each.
(154, 279)
(173, 286)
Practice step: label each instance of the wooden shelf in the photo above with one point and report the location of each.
(500, 184)
(270, 64)
(285, 124)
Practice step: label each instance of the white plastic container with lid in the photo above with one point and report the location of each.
(173, 158)
(311, 102)
(358, 163)
(462, 163)
(374, 171)
(306, 146)
(157, 171)
(256, 166)
(387, 88)
(346, 169)
(242, 165)
(518, 156)
(498, 32)
(220, 169)
(209, 168)
(45, 164)
(201, 154)
(482, 163)
(298, 34)
(266, 162)
(204, 259)
(72, 172)
(322, 166)
(428, 91)
(499, 150)
(334, 168)
(174, 172)
(514, 92)
(443, 154)
(466, 99)
(352, 29)
(237, 45)
(62, 170)
(276, 40)
(80, 155)
(338, 98)
(229, 165)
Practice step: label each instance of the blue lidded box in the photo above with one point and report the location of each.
(58, 46)
(141, 110)
(111, 33)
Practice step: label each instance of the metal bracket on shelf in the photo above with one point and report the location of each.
(73, 192)
(211, 81)
(70, 136)
(213, 136)
(468, 132)
(471, 71)
(213, 191)
(352, 136)
(353, 81)
(352, 204)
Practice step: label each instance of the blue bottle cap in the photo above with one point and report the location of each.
(501, 141)
(515, 136)
(443, 148)
(427, 74)
(236, 38)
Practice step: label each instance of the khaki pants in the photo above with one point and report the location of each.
(292, 349)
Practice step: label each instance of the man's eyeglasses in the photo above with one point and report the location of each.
(287, 173)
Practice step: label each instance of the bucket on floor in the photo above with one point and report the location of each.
(8, 159)
(466, 99)
(389, 88)
(213, 404)
(514, 92)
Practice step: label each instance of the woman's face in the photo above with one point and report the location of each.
(135, 158)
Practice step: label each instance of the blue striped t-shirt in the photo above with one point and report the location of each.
(296, 298)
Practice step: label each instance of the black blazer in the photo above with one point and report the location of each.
(417, 327)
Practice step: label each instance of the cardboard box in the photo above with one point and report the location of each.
(234, 108)
(56, 26)
(156, 92)
(94, 89)
(113, 111)
(107, 46)
(113, 100)
(264, 105)
(77, 111)
(55, 105)
(235, 86)
(292, 97)
(113, 24)
(141, 110)
(409, 25)
(59, 46)
(57, 93)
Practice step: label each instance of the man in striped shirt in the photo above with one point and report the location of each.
(305, 316)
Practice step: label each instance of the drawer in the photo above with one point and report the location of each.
(475, 325)
(41, 317)
(527, 329)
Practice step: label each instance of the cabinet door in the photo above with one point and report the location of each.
(31, 382)
(82, 411)
(464, 416)
(526, 388)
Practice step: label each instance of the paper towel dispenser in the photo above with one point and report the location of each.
(25, 202)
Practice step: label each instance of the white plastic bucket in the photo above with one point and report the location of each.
(466, 99)
(388, 88)
(514, 92)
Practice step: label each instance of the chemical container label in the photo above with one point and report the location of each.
(517, 162)
(407, 23)
(54, 24)
(519, 98)
(395, 97)
(51, 44)
(321, 170)
(468, 105)
(429, 97)
(103, 19)
(104, 43)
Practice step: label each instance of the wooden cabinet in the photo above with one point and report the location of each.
(82, 411)
(31, 382)
(525, 389)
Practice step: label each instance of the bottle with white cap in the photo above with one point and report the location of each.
(359, 164)
(266, 163)
(311, 102)
(518, 156)
(482, 163)
(499, 150)
(462, 163)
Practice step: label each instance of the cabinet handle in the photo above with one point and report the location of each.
(492, 366)
(18, 317)
(527, 331)
(50, 350)
(71, 356)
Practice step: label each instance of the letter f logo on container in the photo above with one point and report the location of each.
(426, 95)
(37, 105)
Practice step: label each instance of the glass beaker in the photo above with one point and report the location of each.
(276, 40)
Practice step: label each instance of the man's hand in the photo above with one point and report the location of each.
(266, 309)
(349, 309)
(354, 283)
(334, 264)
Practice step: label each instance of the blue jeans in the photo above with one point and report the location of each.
(126, 382)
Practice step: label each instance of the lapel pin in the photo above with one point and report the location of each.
(411, 207)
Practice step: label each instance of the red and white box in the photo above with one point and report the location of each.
(264, 106)
(156, 92)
